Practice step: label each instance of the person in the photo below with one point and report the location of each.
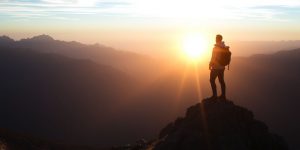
(216, 69)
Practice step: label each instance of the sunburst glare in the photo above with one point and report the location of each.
(195, 47)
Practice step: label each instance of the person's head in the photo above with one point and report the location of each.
(219, 38)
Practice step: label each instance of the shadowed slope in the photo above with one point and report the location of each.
(57, 97)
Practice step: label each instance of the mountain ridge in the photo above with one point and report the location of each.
(129, 62)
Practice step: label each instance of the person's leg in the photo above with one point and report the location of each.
(222, 83)
(213, 76)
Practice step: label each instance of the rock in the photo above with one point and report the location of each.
(218, 125)
(140, 144)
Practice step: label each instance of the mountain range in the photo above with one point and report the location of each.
(129, 62)
(77, 93)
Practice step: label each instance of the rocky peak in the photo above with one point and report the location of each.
(42, 37)
(218, 125)
(5, 39)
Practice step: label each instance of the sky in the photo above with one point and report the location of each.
(147, 25)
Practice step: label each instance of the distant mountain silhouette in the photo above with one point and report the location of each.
(6, 41)
(248, 48)
(129, 62)
(218, 125)
(40, 38)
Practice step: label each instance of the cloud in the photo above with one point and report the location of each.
(59, 8)
(196, 9)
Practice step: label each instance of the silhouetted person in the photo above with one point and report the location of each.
(217, 66)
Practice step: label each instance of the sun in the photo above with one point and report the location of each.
(194, 47)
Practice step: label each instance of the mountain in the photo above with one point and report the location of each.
(6, 41)
(137, 65)
(217, 125)
(248, 48)
(60, 98)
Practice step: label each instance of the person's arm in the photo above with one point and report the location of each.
(212, 59)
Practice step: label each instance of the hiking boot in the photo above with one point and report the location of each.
(222, 97)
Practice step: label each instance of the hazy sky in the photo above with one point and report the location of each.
(144, 25)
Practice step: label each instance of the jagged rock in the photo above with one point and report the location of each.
(218, 125)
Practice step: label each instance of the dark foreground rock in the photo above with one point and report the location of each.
(218, 125)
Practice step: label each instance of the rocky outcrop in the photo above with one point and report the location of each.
(218, 125)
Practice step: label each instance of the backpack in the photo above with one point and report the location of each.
(224, 57)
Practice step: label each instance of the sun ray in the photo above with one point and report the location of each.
(197, 75)
(203, 112)
(181, 87)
